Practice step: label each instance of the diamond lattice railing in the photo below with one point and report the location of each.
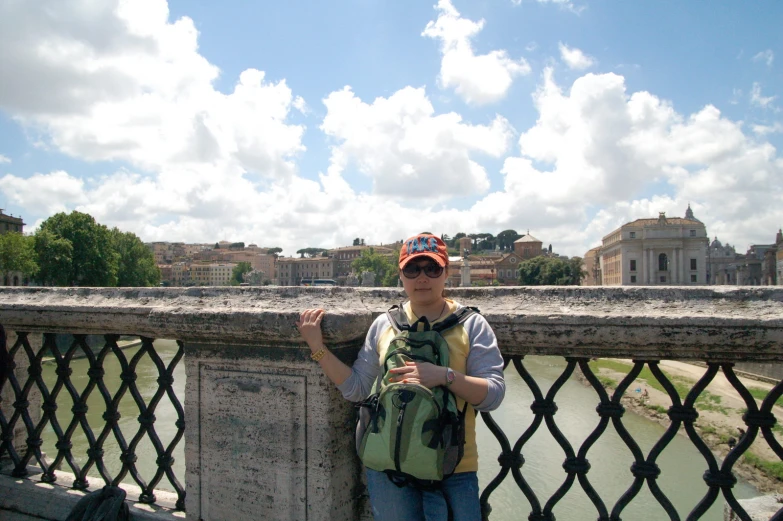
(62, 392)
(719, 476)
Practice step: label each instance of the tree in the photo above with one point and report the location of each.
(94, 259)
(384, 269)
(135, 262)
(17, 254)
(311, 252)
(274, 251)
(577, 273)
(549, 271)
(506, 238)
(238, 273)
(54, 255)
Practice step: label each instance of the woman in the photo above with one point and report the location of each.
(475, 375)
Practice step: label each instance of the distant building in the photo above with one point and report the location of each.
(591, 266)
(344, 257)
(291, 270)
(662, 251)
(721, 264)
(528, 247)
(9, 223)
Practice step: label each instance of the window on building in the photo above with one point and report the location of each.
(693, 277)
(663, 278)
(633, 264)
(693, 233)
(693, 264)
(633, 279)
(633, 235)
(663, 262)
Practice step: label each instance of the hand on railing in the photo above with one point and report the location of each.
(309, 325)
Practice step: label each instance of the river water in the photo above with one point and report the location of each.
(681, 464)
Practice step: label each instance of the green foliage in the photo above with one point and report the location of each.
(311, 252)
(772, 468)
(238, 273)
(273, 251)
(17, 254)
(135, 262)
(94, 259)
(760, 394)
(385, 270)
(506, 238)
(236, 246)
(551, 271)
(55, 256)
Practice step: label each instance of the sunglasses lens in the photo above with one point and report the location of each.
(431, 270)
(411, 271)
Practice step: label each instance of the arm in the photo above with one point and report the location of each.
(309, 325)
(483, 386)
(354, 382)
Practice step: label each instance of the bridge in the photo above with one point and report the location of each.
(267, 436)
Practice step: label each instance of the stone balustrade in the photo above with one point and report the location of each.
(269, 437)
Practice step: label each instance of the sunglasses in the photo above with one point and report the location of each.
(432, 270)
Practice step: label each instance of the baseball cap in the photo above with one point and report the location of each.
(424, 245)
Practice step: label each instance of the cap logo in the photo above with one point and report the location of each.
(422, 244)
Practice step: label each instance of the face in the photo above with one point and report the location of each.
(424, 290)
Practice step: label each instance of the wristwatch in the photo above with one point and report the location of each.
(450, 376)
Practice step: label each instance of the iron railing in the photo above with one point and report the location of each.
(719, 478)
(63, 391)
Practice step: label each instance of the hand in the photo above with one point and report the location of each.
(424, 373)
(309, 325)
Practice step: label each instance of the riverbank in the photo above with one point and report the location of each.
(720, 413)
(122, 344)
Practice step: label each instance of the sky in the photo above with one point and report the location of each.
(308, 124)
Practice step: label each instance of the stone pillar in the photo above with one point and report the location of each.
(465, 274)
(21, 364)
(651, 265)
(268, 436)
(674, 273)
(681, 267)
(644, 266)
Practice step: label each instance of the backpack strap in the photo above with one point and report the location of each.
(458, 317)
(398, 319)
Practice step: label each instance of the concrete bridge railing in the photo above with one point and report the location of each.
(266, 434)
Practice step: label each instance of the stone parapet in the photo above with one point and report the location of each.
(705, 323)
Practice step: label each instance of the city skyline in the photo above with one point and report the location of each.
(307, 128)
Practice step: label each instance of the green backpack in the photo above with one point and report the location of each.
(412, 433)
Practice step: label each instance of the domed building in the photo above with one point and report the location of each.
(656, 251)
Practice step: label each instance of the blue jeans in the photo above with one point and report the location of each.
(392, 503)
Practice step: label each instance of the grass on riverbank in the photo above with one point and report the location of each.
(705, 402)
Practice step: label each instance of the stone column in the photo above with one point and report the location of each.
(644, 266)
(268, 436)
(651, 265)
(681, 268)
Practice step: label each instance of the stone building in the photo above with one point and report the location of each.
(345, 256)
(291, 270)
(662, 251)
(11, 224)
(721, 264)
(591, 266)
(527, 247)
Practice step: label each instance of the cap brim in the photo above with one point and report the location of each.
(434, 256)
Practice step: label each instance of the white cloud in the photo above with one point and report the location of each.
(598, 147)
(405, 147)
(48, 193)
(765, 102)
(477, 79)
(575, 58)
(563, 4)
(763, 130)
(765, 56)
(4, 159)
(117, 81)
